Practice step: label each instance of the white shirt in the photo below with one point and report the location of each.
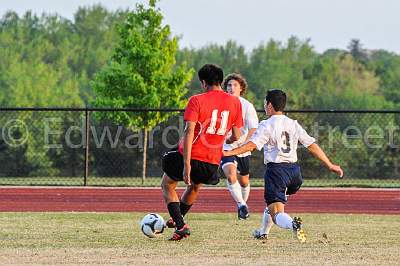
(250, 120)
(279, 136)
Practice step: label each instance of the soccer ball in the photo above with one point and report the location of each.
(152, 225)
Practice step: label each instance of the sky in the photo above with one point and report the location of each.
(327, 23)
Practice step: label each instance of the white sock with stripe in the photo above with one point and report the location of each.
(283, 220)
(236, 193)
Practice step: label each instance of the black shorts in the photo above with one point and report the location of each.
(201, 172)
(281, 180)
(242, 163)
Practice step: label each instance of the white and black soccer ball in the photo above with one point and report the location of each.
(152, 225)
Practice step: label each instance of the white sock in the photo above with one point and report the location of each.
(236, 193)
(245, 192)
(283, 220)
(267, 222)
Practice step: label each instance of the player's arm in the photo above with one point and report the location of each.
(249, 146)
(257, 141)
(235, 135)
(318, 153)
(188, 135)
(251, 132)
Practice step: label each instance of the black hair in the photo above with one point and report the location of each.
(211, 74)
(277, 98)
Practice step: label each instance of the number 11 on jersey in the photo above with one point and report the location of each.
(224, 122)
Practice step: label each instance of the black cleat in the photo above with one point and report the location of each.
(258, 235)
(243, 212)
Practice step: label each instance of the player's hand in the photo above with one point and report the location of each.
(228, 137)
(186, 174)
(336, 169)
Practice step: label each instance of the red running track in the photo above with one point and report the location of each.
(20, 199)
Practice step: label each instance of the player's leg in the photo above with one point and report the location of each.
(266, 225)
(294, 185)
(229, 168)
(168, 186)
(233, 184)
(277, 178)
(280, 218)
(275, 185)
(283, 220)
(186, 201)
(172, 164)
(189, 197)
(171, 198)
(270, 188)
(244, 181)
(244, 176)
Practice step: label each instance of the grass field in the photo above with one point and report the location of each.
(155, 181)
(217, 239)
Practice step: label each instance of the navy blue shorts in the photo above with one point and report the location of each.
(280, 180)
(242, 163)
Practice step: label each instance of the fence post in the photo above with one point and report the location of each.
(87, 132)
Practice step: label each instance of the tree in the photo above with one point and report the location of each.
(231, 57)
(33, 73)
(387, 68)
(142, 73)
(341, 82)
(274, 65)
(93, 40)
(358, 53)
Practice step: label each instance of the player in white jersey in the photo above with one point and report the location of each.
(279, 136)
(239, 188)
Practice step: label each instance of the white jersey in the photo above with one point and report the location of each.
(250, 120)
(279, 136)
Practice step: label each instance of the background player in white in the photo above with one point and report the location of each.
(279, 136)
(239, 188)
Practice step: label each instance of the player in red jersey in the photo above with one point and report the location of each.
(209, 117)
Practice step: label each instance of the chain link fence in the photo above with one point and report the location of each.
(76, 147)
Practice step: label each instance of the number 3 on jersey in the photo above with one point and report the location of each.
(224, 123)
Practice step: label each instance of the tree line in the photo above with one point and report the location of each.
(48, 60)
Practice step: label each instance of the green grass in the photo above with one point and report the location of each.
(217, 239)
(155, 181)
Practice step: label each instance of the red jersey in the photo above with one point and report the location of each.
(215, 113)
